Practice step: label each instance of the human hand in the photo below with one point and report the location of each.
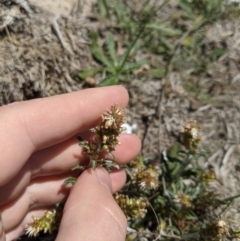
(38, 149)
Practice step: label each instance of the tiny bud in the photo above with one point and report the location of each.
(104, 139)
(105, 148)
(108, 124)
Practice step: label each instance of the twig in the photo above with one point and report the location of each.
(214, 156)
(58, 33)
(164, 80)
(24, 4)
(226, 158)
(9, 36)
(164, 186)
(7, 21)
(159, 235)
(170, 223)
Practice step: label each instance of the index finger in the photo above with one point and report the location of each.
(32, 125)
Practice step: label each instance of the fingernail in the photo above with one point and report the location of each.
(103, 178)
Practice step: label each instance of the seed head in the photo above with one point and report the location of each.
(192, 129)
(191, 135)
(137, 164)
(208, 176)
(114, 118)
(105, 137)
(215, 230)
(182, 200)
(132, 207)
(47, 223)
(148, 178)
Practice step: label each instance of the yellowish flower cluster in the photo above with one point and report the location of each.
(99, 148)
(143, 176)
(147, 178)
(208, 176)
(45, 224)
(191, 135)
(215, 230)
(182, 200)
(111, 127)
(132, 207)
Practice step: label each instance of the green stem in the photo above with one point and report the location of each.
(141, 31)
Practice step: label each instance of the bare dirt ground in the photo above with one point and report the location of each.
(41, 50)
(44, 44)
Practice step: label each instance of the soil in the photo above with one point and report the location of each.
(44, 44)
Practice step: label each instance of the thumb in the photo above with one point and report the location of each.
(90, 212)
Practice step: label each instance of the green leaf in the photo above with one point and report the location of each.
(166, 43)
(111, 48)
(84, 144)
(188, 41)
(164, 30)
(216, 54)
(157, 73)
(186, 5)
(174, 229)
(128, 52)
(110, 164)
(124, 77)
(135, 48)
(97, 52)
(102, 8)
(135, 65)
(187, 8)
(161, 200)
(123, 58)
(94, 164)
(113, 80)
(213, 6)
(70, 180)
(173, 151)
(110, 155)
(83, 74)
(100, 56)
(111, 71)
(200, 21)
(77, 167)
(120, 11)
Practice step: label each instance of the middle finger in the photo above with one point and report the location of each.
(60, 159)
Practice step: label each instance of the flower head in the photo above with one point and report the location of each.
(208, 176)
(192, 128)
(215, 229)
(182, 200)
(99, 148)
(191, 135)
(47, 223)
(148, 178)
(132, 207)
(114, 118)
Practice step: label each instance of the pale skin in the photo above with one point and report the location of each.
(38, 148)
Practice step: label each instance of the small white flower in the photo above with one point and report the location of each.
(195, 133)
(129, 128)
